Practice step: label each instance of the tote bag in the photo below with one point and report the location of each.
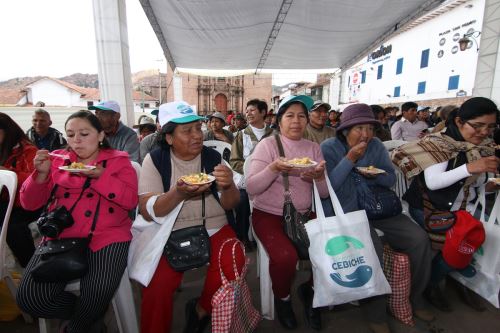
(232, 308)
(344, 262)
(146, 247)
(486, 261)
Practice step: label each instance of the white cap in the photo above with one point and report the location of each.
(106, 106)
(177, 112)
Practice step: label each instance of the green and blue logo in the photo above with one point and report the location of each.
(349, 269)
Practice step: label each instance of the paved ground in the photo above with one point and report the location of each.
(339, 319)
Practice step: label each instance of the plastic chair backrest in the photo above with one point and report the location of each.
(222, 147)
(393, 144)
(246, 165)
(137, 168)
(8, 179)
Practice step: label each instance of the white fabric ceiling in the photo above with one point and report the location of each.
(232, 34)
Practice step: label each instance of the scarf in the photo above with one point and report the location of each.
(414, 157)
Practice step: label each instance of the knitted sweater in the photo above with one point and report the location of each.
(266, 186)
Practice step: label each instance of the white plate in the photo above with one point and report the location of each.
(494, 180)
(302, 166)
(210, 180)
(87, 167)
(372, 171)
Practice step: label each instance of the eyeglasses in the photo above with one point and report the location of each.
(480, 126)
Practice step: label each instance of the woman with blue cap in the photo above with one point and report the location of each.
(265, 185)
(162, 189)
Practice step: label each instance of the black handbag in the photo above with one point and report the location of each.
(188, 248)
(379, 202)
(63, 259)
(293, 221)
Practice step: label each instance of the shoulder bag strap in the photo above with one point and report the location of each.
(286, 185)
(51, 199)
(203, 208)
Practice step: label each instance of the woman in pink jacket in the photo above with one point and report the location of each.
(265, 185)
(106, 194)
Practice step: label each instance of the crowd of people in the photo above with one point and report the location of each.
(447, 154)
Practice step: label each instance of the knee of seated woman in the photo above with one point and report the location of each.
(227, 260)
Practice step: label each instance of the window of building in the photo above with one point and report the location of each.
(424, 59)
(399, 66)
(363, 76)
(90, 103)
(146, 105)
(380, 71)
(397, 91)
(421, 88)
(453, 82)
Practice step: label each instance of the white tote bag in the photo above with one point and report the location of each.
(148, 241)
(486, 261)
(344, 262)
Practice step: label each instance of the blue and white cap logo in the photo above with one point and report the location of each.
(178, 112)
(185, 109)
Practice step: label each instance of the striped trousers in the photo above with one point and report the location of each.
(97, 288)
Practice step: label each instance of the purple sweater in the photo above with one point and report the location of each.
(265, 186)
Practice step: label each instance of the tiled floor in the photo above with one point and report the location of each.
(340, 319)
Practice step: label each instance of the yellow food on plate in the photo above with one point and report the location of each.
(77, 165)
(300, 161)
(371, 167)
(196, 178)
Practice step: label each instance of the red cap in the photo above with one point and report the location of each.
(462, 240)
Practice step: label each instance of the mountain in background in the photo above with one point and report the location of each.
(147, 78)
(82, 80)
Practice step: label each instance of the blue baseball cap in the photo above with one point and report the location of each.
(177, 112)
(305, 100)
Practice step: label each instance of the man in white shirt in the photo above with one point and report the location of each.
(243, 145)
(409, 128)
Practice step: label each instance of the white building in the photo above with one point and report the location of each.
(54, 92)
(423, 62)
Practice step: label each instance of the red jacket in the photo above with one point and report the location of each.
(116, 189)
(21, 162)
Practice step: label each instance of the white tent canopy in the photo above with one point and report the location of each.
(275, 34)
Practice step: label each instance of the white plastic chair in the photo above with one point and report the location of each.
(220, 146)
(9, 180)
(393, 144)
(123, 306)
(266, 290)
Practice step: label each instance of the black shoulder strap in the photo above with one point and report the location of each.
(282, 154)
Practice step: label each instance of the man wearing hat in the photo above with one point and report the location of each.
(409, 128)
(146, 125)
(423, 114)
(118, 135)
(243, 145)
(239, 123)
(216, 130)
(150, 141)
(316, 130)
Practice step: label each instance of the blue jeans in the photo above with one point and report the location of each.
(418, 215)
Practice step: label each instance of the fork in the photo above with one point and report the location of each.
(65, 157)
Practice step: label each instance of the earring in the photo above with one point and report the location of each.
(100, 143)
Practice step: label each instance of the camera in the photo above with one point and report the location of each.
(51, 224)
